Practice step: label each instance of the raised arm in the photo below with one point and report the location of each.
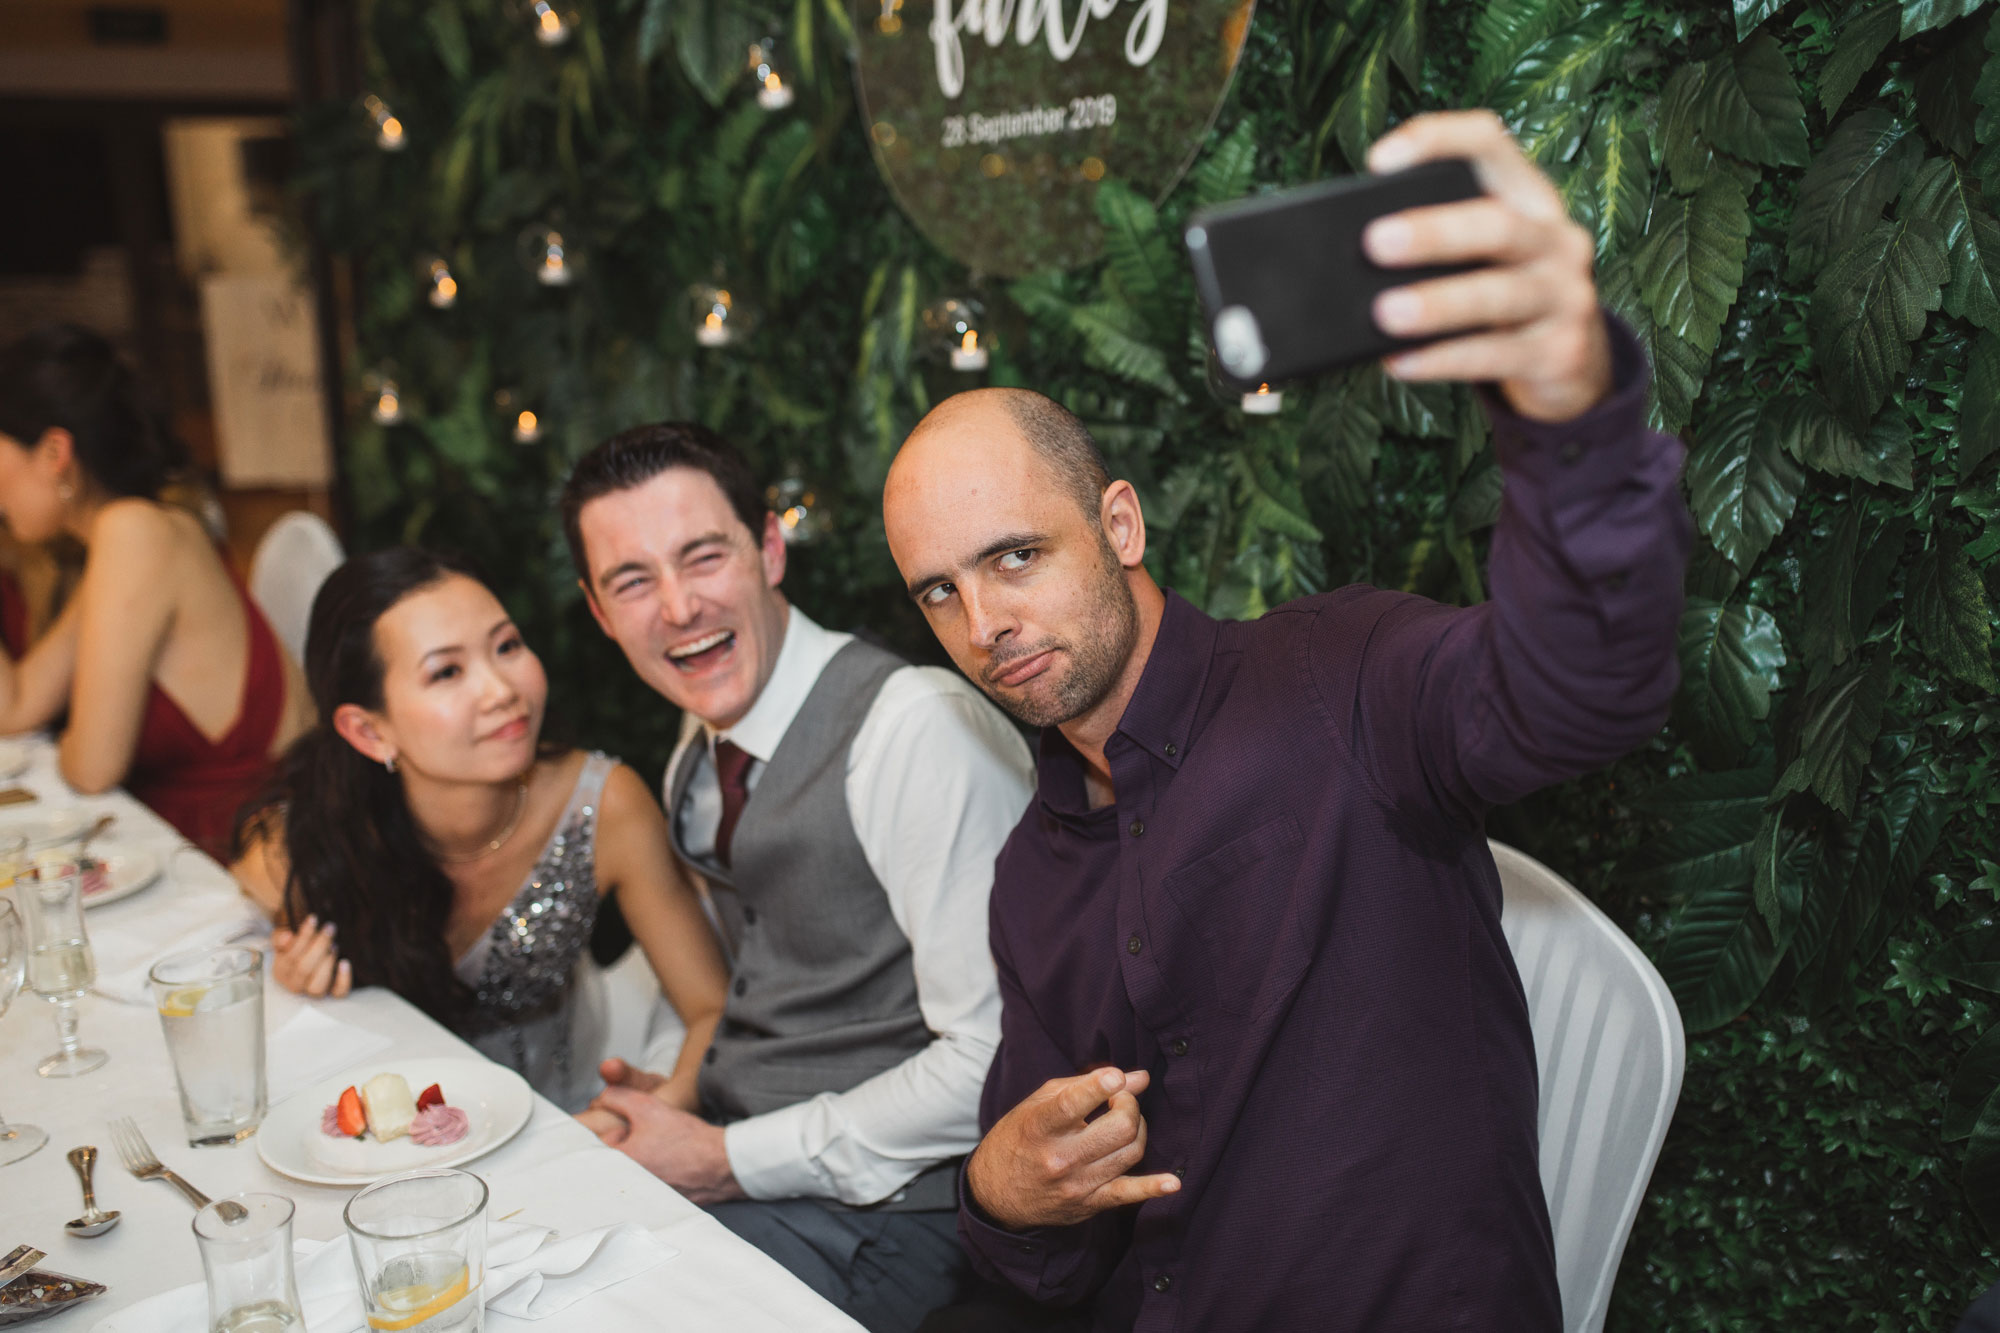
(126, 615)
(635, 859)
(1572, 662)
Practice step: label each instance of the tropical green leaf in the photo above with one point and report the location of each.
(1611, 184)
(1270, 504)
(1864, 165)
(1678, 366)
(1900, 831)
(1147, 271)
(1505, 30)
(1224, 172)
(1946, 90)
(1869, 304)
(1943, 193)
(1750, 105)
(1979, 407)
(1862, 40)
(1361, 111)
(1741, 485)
(1545, 98)
(1980, 1176)
(655, 26)
(1839, 722)
(1115, 340)
(1730, 655)
(711, 37)
(1974, 1083)
(1720, 951)
(1406, 39)
(1341, 441)
(1749, 13)
(1830, 633)
(1986, 93)
(1477, 504)
(1691, 263)
(1687, 155)
(1698, 796)
(1923, 15)
(1812, 432)
(1423, 411)
(1946, 607)
(447, 29)
(1704, 849)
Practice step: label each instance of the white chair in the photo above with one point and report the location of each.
(292, 560)
(1609, 1045)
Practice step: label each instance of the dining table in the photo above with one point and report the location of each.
(553, 1173)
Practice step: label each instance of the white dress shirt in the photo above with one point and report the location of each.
(936, 780)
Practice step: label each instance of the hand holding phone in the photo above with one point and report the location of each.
(1516, 305)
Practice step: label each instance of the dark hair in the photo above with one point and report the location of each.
(65, 376)
(1065, 443)
(634, 457)
(356, 855)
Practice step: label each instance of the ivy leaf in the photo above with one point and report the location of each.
(1691, 262)
(1729, 657)
(1976, 1080)
(1864, 165)
(1741, 485)
(1545, 99)
(1224, 172)
(1839, 724)
(1750, 105)
(1862, 40)
(1945, 605)
(1814, 434)
(1941, 192)
(1678, 366)
(1869, 304)
(1360, 113)
(1749, 13)
(1923, 15)
(1689, 158)
(1719, 951)
(1140, 256)
(1505, 30)
(1979, 407)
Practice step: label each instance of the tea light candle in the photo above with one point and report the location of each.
(527, 428)
(1264, 402)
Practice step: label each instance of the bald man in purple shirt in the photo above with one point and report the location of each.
(1265, 1061)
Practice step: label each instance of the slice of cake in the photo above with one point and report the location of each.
(390, 1106)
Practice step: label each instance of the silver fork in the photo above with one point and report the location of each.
(141, 1162)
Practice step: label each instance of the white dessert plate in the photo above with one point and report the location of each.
(16, 758)
(125, 873)
(52, 828)
(496, 1100)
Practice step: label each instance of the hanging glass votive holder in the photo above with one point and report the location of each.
(440, 288)
(385, 400)
(719, 317)
(796, 504)
(773, 93)
(389, 135)
(553, 25)
(954, 327)
(548, 256)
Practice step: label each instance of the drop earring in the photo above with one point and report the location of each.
(390, 763)
(65, 492)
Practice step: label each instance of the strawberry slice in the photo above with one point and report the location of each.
(353, 1119)
(429, 1097)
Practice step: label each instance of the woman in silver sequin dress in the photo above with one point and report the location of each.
(422, 838)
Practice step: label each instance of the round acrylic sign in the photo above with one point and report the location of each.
(994, 120)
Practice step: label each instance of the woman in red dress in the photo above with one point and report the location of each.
(171, 679)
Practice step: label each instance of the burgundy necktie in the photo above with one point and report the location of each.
(732, 766)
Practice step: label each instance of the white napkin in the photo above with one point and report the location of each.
(125, 957)
(529, 1276)
(312, 1046)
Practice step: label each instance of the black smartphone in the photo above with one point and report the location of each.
(1285, 284)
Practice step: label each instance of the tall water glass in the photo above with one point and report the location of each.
(60, 965)
(419, 1242)
(211, 1006)
(16, 1141)
(246, 1261)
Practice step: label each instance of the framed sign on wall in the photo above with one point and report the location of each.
(994, 120)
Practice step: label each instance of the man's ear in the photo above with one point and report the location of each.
(1124, 524)
(596, 611)
(360, 728)
(772, 551)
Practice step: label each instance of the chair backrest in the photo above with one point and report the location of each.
(292, 560)
(1609, 1045)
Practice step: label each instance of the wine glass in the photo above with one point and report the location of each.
(60, 964)
(16, 1141)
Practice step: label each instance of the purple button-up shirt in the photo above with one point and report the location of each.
(1290, 917)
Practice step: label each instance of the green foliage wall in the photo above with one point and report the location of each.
(1791, 206)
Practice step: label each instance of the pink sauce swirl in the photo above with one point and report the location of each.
(435, 1126)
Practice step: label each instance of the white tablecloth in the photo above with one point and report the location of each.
(554, 1173)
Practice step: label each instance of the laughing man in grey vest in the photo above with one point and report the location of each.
(844, 809)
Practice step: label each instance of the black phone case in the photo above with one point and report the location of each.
(1284, 283)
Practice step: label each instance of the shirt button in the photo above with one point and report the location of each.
(1180, 1046)
(1163, 1283)
(1570, 451)
(742, 986)
(1133, 945)
(1026, 1247)
(749, 916)
(1172, 749)
(1138, 828)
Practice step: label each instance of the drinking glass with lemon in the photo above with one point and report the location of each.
(419, 1242)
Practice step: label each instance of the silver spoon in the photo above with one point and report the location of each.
(95, 1221)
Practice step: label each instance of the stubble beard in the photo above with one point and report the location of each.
(1110, 630)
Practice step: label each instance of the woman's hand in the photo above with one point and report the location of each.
(303, 961)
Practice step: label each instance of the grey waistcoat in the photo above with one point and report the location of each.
(823, 994)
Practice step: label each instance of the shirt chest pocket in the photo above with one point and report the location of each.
(1242, 902)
